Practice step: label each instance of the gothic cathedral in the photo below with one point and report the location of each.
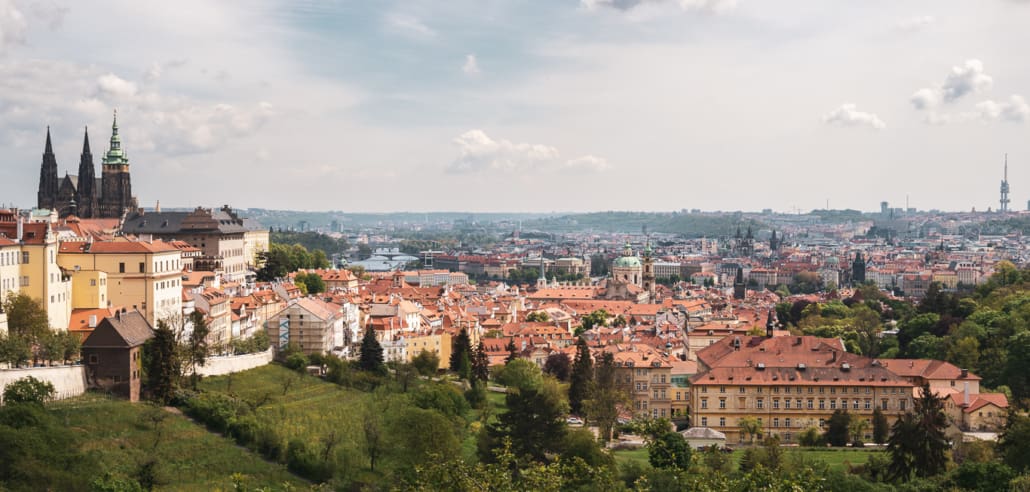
(84, 195)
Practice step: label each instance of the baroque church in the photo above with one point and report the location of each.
(84, 195)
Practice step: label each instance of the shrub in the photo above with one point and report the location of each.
(297, 362)
(305, 463)
(810, 437)
(982, 476)
(29, 390)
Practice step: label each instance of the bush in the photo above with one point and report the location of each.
(257, 343)
(29, 390)
(297, 362)
(476, 395)
(981, 476)
(426, 363)
(214, 410)
(810, 437)
(305, 463)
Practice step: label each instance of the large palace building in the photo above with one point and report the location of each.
(84, 195)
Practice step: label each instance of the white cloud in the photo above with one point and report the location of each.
(1015, 109)
(711, 6)
(914, 24)
(471, 66)
(587, 163)
(409, 25)
(12, 24)
(114, 86)
(849, 115)
(966, 79)
(479, 153)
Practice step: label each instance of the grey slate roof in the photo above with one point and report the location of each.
(129, 329)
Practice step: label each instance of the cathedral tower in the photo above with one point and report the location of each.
(47, 195)
(116, 185)
(86, 191)
(648, 276)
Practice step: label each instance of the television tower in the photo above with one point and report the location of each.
(1005, 188)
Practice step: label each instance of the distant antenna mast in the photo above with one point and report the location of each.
(1005, 187)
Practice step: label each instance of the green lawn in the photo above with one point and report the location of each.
(835, 458)
(188, 456)
(297, 405)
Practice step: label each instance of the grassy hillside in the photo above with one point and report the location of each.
(122, 436)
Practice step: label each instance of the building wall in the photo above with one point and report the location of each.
(150, 282)
(114, 369)
(254, 242)
(649, 388)
(221, 365)
(42, 279)
(10, 257)
(89, 290)
(770, 404)
(68, 381)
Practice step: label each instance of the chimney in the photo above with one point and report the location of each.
(965, 374)
(965, 393)
(21, 228)
(92, 321)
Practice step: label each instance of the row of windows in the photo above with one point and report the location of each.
(810, 404)
(810, 389)
(9, 258)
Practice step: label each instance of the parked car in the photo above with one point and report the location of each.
(574, 420)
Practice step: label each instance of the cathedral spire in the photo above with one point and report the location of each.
(85, 143)
(49, 148)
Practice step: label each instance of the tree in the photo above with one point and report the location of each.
(838, 428)
(752, 427)
(534, 422)
(161, 357)
(1014, 444)
(596, 318)
(671, 450)
(1017, 366)
(582, 376)
(513, 351)
(481, 363)
(26, 317)
(558, 365)
(15, 350)
(371, 353)
(28, 390)
(461, 355)
(538, 317)
(917, 443)
(605, 398)
(312, 281)
(426, 363)
(196, 345)
(880, 426)
(857, 428)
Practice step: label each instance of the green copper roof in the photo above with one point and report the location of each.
(627, 262)
(115, 154)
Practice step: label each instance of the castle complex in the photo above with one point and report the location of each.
(84, 195)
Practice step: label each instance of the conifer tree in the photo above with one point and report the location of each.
(371, 353)
(513, 351)
(582, 377)
(481, 364)
(461, 352)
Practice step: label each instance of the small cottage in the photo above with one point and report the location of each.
(113, 353)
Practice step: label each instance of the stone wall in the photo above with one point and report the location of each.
(217, 366)
(68, 381)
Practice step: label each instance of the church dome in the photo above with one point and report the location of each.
(627, 262)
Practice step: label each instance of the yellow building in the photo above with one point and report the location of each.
(141, 275)
(89, 289)
(645, 374)
(41, 277)
(437, 342)
(10, 254)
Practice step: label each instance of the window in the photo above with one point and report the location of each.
(121, 268)
(776, 422)
(811, 404)
(759, 403)
(722, 403)
(868, 404)
(798, 402)
(742, 389)
(833, 404)
(92, 282)
(93, 358)
(883, 404)
(901, 404)
(142, 267)
(786, 403)
(704, 421)
(833, 391)
(722, 421)
(854, 404)
(759, 389)
(704, 403)
(24, 256)
(786, 422)
(822, 390)
(704, 389)
(822, 404)
(722, 389)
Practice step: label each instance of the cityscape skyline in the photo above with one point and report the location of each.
(644, 105)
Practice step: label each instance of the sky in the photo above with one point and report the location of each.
(526, 106)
